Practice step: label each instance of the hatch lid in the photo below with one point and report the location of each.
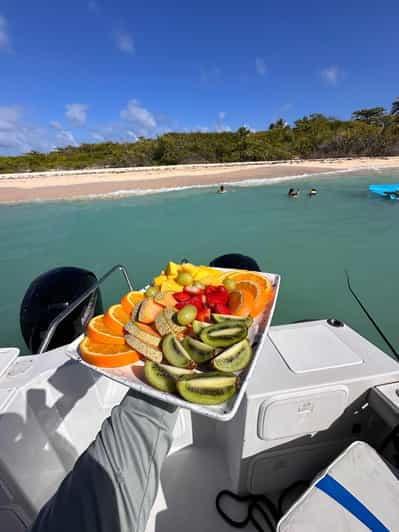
(313, 348)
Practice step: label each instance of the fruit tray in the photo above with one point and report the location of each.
(132, 376)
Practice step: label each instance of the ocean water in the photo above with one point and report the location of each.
(309, 241)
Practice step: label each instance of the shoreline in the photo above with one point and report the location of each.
(118, 182)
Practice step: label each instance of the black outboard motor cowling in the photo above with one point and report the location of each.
(47, 296)
(235, 260)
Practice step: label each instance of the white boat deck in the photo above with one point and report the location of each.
(190, 482)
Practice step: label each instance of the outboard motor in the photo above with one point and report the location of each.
(47, 296)
(235, 260)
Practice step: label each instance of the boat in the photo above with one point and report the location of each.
(319, 387)
(386, 191)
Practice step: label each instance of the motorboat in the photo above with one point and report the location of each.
(319, 386)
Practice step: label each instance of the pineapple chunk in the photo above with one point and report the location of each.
(159, 280)
(172, 269)
(171, 286)
(190, 268)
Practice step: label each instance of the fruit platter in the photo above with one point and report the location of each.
(191, 338)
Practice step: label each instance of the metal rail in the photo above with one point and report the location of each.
(72, 306)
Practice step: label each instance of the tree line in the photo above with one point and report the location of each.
(370, 132)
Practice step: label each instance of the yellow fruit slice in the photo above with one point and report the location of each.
(171, 286)
(159, 280)
(172, 269)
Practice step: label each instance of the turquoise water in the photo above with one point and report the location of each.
(309, 241)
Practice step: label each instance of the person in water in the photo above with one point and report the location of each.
(221, 189)
(312, 192)
(293, 193)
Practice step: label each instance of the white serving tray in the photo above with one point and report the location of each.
(133, 375)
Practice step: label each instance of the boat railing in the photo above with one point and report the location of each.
(72, 306)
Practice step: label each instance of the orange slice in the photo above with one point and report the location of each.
(260, 287)
(241, 302)
(98, 332)
(107, 355)
(115, 319)
(130, 299)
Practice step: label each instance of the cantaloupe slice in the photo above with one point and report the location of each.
(149, 310)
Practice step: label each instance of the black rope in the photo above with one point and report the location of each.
(255, 504)
(391, 347)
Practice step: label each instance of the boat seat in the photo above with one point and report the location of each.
(357, 492)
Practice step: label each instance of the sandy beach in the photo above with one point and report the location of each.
(58, 185)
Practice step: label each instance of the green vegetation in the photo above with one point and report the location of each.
(370, 132)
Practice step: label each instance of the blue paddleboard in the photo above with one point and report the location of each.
(386, 191)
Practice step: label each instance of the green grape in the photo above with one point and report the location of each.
(229, 284)
(184, 278)
(186, 315)
(151, 291)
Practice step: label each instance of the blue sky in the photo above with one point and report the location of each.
(92, 70)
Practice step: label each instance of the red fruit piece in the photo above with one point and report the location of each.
(222, 309)
(181, 305)
(197, 302)
(210, 290)
(222, 290)
(217, 298)
(181, 296)
(204, 314)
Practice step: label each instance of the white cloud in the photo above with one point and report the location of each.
(331, 75)
(66, 138)
(77, 113)
(124, 41)
(55, 124)
(141, 121)
(260, 66)
(98, 137)
(220, 125)
(4, 36)
(16, 136)
(9, 116)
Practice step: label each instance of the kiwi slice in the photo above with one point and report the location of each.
(235, 358)
(134, 328)
(175, 353)
(229, 318)
(197, 350)
(162, 376)
(210, 388)
(224, 334)
(199, 325)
